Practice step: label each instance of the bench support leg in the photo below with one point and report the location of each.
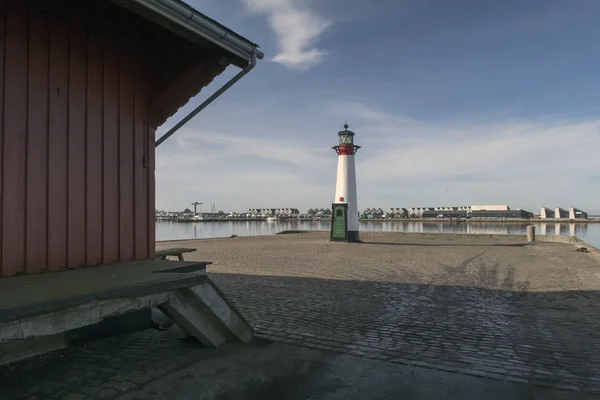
(203, 312)
(195, 318)
(180, 257)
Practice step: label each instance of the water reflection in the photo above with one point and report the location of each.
(166, 230)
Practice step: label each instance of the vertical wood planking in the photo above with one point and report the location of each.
(151, 191)
(126, 148)
(3, 12)
(76, 137)
(37, 142)
(94, 154)
(111, 149)
(140, 171)
(15, 139)
(58, 136)
(76, 147)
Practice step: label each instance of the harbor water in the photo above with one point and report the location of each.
(167, 230)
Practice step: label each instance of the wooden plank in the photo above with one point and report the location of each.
(15, 139)
(3, 13)
(151, 190)
(111, 225)
(140, 175)
(126, 148)
(37, 143)
(58, 139)
(77, 138)
(94, 150)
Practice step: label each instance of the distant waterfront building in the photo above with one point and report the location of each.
(560, 213)
(502, 207)
(372, 213)
(575, 213)
(397, 212)
(546, 213)
(420, 212)
(273, 211)
(417, 212)
(445, 214)
(495, 214)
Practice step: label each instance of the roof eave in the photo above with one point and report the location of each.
(185, 21)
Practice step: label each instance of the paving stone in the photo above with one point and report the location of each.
(107, 393)
(75, 396)
(552, 339)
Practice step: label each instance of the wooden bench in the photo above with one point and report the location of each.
(173, 252)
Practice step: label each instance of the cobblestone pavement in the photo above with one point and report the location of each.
(100, 370)
(548, 339)
(483, 307)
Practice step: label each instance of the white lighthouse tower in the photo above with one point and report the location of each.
(344, 223)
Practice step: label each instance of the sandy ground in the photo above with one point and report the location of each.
(492, 262)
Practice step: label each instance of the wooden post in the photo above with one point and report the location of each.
(531, 234)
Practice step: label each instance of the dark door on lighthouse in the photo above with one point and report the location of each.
(339, 223)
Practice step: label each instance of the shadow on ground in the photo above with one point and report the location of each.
(445, 244)
(351, 339)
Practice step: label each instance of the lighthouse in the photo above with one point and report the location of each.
(344, 222)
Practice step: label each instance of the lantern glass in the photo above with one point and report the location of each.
(346, 138)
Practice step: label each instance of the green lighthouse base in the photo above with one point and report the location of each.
(339, 224)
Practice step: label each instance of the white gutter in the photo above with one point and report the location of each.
(198, 24)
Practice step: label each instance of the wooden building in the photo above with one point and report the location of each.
(84, 84)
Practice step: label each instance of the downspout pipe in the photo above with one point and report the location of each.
(206, 102)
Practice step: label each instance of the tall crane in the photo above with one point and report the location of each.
(196, 204)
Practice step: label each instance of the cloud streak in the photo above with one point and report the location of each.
(404, 162)
(296, 28)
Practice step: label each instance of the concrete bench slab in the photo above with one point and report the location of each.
(173, 252)
(37, 310)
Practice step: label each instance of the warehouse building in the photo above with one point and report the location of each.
(546, 213)
(491, 208)
(444, 214)
(575, 213)
(560, 213)
(501, 214)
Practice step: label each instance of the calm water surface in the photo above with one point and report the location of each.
(198, 230)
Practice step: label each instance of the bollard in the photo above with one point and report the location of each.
(531, 233)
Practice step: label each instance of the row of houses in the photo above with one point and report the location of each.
(475, 211)
(430, 212)
(267, 212)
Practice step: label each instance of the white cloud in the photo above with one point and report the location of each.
(240, 172)
(526, 163)
(403, 162)
(296, 27)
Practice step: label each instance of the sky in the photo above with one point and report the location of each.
(454, 103)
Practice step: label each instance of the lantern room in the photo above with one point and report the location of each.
(346, 144)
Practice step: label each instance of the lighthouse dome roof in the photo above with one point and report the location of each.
(346, 132)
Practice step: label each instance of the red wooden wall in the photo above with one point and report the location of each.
(76, 147)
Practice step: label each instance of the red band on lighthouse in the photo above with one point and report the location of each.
(345, 150)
